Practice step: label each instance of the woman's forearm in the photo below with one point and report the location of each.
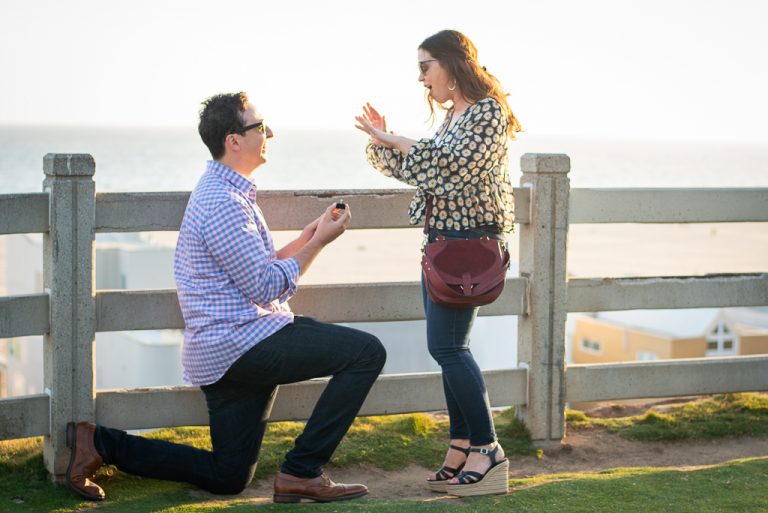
(403, 144)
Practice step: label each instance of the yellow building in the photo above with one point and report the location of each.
(664, 334)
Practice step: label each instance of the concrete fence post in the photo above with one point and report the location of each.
(541, 332)
(68, 279)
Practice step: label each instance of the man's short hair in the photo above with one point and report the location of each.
(221, 115)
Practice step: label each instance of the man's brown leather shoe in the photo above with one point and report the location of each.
(84, 461)
(289, 488)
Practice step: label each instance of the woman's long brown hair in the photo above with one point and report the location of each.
(458, 55)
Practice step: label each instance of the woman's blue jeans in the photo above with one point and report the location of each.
(240, 402)
(448, 341)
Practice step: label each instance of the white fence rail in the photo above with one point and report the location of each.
(69, 214)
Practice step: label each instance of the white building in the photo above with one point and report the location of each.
(21, 358)
(123, 359)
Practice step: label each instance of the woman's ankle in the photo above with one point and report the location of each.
(494, 450)
(490, 446)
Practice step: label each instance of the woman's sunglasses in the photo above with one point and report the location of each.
(423, 68)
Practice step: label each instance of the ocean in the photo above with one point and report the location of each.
(154, 159)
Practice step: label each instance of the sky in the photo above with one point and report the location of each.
(672, 69)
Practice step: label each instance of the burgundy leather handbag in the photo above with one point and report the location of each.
(464, 273)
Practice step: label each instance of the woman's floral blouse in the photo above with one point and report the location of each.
(465, 171)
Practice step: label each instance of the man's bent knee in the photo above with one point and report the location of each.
(232, 482)
(376, 350)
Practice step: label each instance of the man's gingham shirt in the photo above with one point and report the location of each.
(232, 288)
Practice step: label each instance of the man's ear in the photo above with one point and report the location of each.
(232, 143)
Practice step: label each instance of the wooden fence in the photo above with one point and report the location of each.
(69, 213)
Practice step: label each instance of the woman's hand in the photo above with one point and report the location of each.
(375, 125)
(377, 120)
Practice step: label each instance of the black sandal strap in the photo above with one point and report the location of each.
(470, 477)
(465, 450)
(445, 473)
(491, 453)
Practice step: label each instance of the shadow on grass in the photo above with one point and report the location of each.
(737, 486)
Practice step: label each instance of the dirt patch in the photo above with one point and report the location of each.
(632, 408)
(584, 450)
(405, 483)
(592, 450)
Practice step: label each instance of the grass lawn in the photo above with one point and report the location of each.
(715, 417)
(391, 442)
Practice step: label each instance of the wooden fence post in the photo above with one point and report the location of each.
(541, 333)
(68, 279)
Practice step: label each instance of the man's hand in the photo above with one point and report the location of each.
(295, 245)
(328, 229)
(309, 231)
(325, 230)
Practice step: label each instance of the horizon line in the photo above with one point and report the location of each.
(523, 135)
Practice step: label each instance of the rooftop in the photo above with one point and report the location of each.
(688, 322)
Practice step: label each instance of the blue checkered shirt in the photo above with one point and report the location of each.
(233, 290)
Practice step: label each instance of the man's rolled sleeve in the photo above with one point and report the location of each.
(233, 237)
(291, 270)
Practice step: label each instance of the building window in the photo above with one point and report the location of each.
(644, 356)
(721, 341)
(591, 346)
(3, 384)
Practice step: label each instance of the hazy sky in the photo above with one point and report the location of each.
(662, 69)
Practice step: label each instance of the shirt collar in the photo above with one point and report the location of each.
(240, 182)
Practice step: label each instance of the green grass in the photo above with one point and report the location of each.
(737, 486)
(385, 442)
(715, 417)
(394, 441)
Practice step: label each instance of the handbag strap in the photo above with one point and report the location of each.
(428, 214)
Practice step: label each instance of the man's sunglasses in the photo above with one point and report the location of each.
(260, 126)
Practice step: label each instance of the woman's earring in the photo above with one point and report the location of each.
(452, 88)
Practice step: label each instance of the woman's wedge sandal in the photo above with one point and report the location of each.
(495, 481)
(445, 473)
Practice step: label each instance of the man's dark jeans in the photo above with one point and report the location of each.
(240, 402)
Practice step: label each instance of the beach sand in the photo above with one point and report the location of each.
(594, 250)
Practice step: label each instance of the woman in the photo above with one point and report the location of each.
(462, 180)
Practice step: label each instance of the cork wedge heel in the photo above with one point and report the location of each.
(495, 481)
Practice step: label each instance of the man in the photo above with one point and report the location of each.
(241, 338)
